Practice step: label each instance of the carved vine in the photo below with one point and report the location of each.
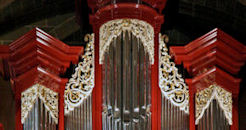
(81, 83)
(171, 83)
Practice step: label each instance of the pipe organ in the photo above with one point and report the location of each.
(124, 78)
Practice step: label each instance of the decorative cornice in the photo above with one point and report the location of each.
(97, 4)
(138, 28)
(36, 55)
(215, 48)
(127, 11)
(214, 76)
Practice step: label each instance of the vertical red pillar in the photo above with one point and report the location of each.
(61, 108)
(38, 58)
(235, 113)
(97, 92)
(18, 125)
(191, 107)
(214, 58)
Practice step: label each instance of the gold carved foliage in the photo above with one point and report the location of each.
(171, 83)
(204, 98)
(48, 97)
(138, 28)
(81, 84)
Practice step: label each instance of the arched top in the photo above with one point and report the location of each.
(140, 29)
(204, 98)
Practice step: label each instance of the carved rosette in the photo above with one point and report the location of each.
(48, 97)
(171, 83)
(81, 83)
(204, 98)
(138, 28)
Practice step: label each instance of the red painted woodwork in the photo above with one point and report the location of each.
(214, 58)
(37, 57)
(127, 10)
(97, 91)
(97, 4)
(103, 13)
(215, 48)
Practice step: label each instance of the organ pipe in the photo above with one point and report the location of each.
(126, 85)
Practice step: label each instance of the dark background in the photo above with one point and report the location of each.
(185, 20)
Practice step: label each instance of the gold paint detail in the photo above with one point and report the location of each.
(48, 97)
(206, 96)
(138, 28)
(171, 83)
(81, 84)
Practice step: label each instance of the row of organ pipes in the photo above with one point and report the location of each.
(39, 118)
(172, 118)
(213, 118)
(81, 117)
(116, 115)
(126, 85)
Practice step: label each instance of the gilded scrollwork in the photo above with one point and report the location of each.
(48, 97)
(204, 98)
(171, 83)
(81, 83)
(138, 28)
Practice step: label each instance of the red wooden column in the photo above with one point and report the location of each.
(214, 58)
(37, 57)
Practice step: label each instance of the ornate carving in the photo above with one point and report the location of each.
(204, 98)
(81, 83)
(170, 81)
(49, 98)
(138, 28)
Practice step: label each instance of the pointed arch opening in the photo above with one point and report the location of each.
(126, 84)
